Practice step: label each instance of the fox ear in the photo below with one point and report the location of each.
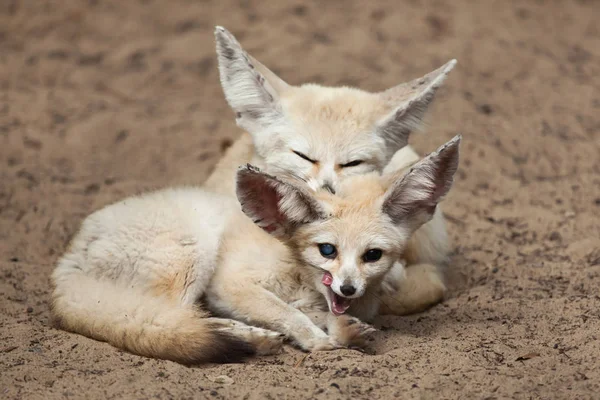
(251, 89)
(277, 207)
(409, 102)
(412, 200)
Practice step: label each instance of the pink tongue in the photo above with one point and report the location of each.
(339, 305)
(327, 279)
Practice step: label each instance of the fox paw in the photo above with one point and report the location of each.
(348, 331)
(319, 344)
(266, 342)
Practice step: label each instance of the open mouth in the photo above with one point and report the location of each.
(337, 304)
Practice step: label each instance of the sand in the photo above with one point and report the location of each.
(103, 99)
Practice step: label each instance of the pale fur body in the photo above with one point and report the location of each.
(134, 273)
(332, 127)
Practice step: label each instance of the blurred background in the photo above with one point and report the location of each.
(101, 99)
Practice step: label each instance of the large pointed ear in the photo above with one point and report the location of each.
(409, 103)
(251, 89)
(277, 207)
(413, 198)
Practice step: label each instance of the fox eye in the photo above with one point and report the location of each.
(352, 163)
(327, 250)
(372, 255)
(304, 156)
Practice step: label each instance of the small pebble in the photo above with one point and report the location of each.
(485, 109)
(554, 236)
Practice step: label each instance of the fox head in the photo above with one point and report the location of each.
(353, 238)
(320, 134)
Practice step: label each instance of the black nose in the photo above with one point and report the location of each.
(347, 290)
(327, 186)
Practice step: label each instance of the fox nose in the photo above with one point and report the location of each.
(347, 290)
(329, 187)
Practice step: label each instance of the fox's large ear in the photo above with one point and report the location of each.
(409, 103)
(251, 89)
(277, 207)
(413, 198)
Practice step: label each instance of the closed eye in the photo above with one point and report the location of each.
(304, 156)
(352, 164)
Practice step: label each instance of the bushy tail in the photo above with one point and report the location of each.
(140, 323)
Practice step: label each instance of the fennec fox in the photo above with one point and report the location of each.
(323, 135)
(291, 262)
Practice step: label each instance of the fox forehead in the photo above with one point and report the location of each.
(356, 193)
(342, 117)
(336, 104)
(358, 198)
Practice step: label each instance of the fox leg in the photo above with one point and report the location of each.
(266, 342)
(418, 283)
(346, 330)
(255, 305)
(421, 287)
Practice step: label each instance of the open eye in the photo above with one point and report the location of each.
(352, 164)
(372, 255)
(304, 156)
(327, 250)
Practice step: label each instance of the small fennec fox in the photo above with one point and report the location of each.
(134, 273)
(323, 135)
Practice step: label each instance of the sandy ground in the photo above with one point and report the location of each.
(102, 99)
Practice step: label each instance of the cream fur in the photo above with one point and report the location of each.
(134, 273)
(332, 126)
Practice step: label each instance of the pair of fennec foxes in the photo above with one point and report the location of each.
(338, 223)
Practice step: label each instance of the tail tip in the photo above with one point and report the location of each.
(229, 349)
